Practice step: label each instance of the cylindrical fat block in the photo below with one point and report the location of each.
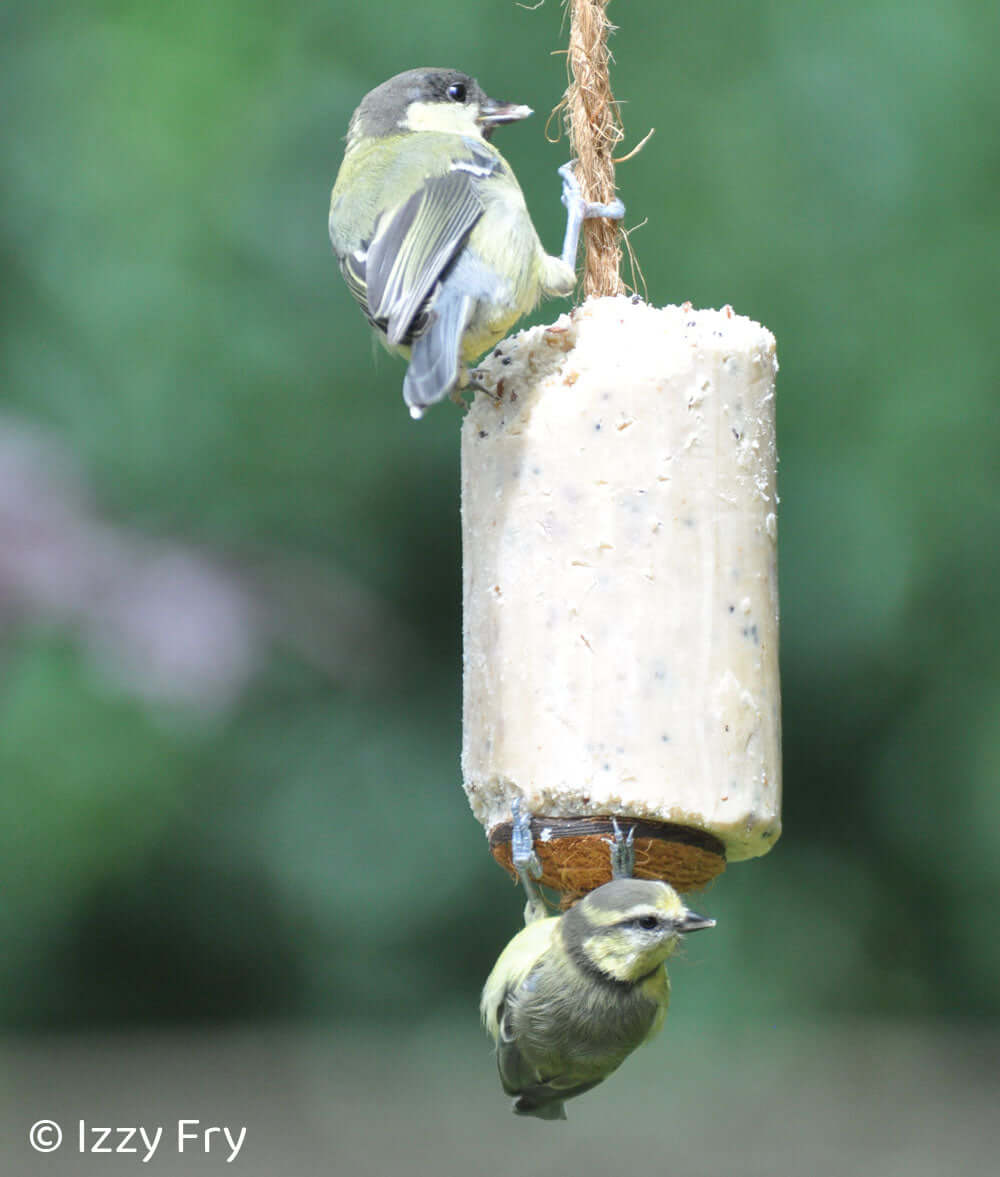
(620, 582)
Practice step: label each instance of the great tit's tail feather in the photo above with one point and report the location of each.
(434, 358)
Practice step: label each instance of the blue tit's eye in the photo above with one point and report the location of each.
(456, 92)
(648, 922)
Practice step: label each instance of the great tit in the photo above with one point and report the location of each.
(431, 230)
(571, 996)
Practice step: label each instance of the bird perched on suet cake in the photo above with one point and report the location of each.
(431, 229)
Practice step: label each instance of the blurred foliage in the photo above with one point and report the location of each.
(171, 316)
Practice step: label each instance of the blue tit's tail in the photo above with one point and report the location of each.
(550, 1109)
(435, 355)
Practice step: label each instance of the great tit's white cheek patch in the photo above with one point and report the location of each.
(450, 118)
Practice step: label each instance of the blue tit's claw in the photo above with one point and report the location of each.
(522, 845)
(526, 863)
(622, 852)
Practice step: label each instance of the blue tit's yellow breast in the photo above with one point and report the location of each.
(656, 988)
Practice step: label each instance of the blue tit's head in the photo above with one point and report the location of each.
(428, 99)
(627, 928)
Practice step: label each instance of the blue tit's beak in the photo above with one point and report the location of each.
(693, 922)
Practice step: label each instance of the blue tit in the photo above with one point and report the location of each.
(431, 230)
(572, 996)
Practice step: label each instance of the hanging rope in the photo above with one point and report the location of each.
(595, 129)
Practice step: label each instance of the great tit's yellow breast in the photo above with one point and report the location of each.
(505, 243)
(505, 239)
(486, 329)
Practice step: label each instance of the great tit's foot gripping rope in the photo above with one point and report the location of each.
(579, 210)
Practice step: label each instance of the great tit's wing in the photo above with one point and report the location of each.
(394, 276)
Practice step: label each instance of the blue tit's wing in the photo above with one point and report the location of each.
(532, 1064)
(545, 1100)
(394, 276)
(513, 965)
(539, 1093)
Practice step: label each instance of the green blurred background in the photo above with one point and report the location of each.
(230, 563)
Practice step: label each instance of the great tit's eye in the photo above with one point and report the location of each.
(456, 92)
(648, 922)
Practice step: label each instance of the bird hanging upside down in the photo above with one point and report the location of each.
(572, 996)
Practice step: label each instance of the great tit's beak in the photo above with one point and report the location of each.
(495, 114)
(692, 922)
